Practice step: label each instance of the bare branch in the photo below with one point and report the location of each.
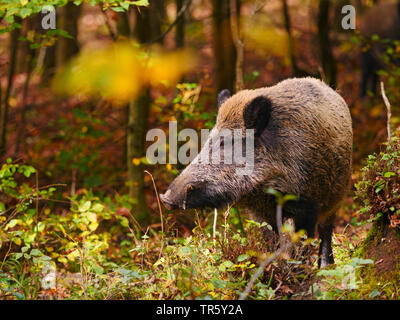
(113, 34)
(181, 12)
(161, 213)
(389, 111)
(284, 245)
(215, 224)
(238, 44)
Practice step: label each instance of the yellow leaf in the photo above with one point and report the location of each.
(62, 259)
(93, 226)
(73, 255)
(136, 161)
(92, 217)
(12, 102)
(120, 71)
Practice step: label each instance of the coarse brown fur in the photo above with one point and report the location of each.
(304, 148)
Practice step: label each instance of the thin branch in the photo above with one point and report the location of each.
(284, 245)
(180, 15)
(215, 224)
(259, 7)
(108, 24)
(288, 28)
(239, 84)
(389, 110)
(261, 268)
(161, 213)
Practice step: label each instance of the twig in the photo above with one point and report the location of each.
(238, 44)
(259, 7)
(178, 18)
(37, 202)
(388, 108)
(108, 24)
(279, 219)
(226, 215)
(261, 268)
(284, 245)
(73, 182)
(161, 213)
(215, 224)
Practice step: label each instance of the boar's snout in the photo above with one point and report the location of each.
(167, 201)
(184, 195)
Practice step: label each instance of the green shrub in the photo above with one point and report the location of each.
(379, 187)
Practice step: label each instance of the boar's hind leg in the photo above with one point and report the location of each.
(325, 255)
(305, 217)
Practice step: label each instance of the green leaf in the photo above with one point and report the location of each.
(125, 223)
(25, 249)
(36, 252)
(118, 9)
(242, 257)
(18, 255)
(85, 206)
(374, 293)
(144, 3)
(12, 224)
(25, 12)
(226, 265)
(19, 296)
(98, 207)
(389, 174)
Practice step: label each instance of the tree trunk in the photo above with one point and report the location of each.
(180, 27)
(68, 21)
(21, 124)
(326, 55)
(5, 106)
(235, 29)
(123, 27)
(47, 65)
(288, 28)
(136, 135)
(224, 47)
(148, 26)
(23, 54)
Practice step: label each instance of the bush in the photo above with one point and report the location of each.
(379, 186)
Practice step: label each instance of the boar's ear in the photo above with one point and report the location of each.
(223, 96)
(257, 114)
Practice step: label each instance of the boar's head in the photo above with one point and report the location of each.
(211, 179)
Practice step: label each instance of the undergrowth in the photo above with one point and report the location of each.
(93, 248)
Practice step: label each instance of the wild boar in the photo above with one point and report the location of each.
(302, 146)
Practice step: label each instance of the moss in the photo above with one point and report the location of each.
(381, 279)
(372, 236)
